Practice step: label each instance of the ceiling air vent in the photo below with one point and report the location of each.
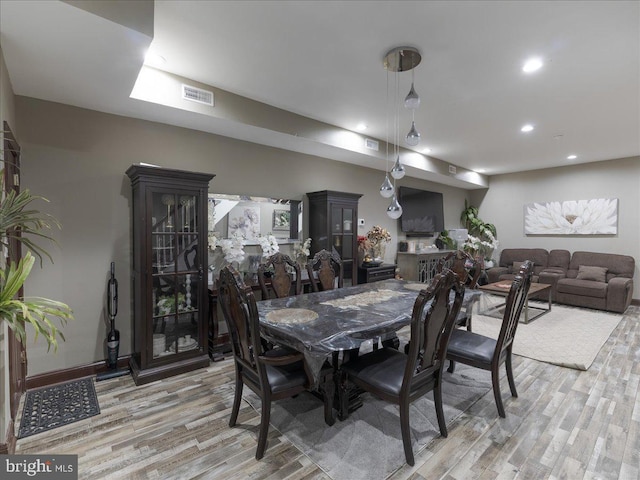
(198, 95)
(371, 144)
(452, 169)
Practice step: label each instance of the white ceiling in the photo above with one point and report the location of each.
(323, 60)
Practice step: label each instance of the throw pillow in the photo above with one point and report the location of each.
(597, 274)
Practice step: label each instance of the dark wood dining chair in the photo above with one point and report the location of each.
(272, 374)
(489, 353)
(468, 270)
(465, 265)
(325, 271)
(400, 379)
(279, 276)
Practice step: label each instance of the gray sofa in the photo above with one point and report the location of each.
(602, 281)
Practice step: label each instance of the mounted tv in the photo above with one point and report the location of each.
(422, 211)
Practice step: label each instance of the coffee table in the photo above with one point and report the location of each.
(502, 288)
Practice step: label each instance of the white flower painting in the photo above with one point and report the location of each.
(573, 217)
(245, 220)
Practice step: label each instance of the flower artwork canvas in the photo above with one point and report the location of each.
(244, 220)
(572, 217)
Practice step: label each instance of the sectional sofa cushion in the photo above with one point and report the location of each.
(587, 272)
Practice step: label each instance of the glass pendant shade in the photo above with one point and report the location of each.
(413, 137)
(398, 170)
(412, 100)
(386, 189)
(394, 210)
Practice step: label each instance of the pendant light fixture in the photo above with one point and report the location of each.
(387, 189)
(399, 59)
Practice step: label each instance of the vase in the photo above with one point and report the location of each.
(378, 251)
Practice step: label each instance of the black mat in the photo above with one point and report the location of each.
(50, 407)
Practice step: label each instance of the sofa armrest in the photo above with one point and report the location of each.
(550, 276)
(619, 294)
(495, 272)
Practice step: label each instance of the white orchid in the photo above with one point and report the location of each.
(269, 245)
(586, 217)
(476, 245)
(232, 248)
(212, 241)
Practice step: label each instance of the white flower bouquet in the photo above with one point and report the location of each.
(269, 245)
(232, 248)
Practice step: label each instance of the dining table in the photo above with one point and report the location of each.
(321, 325)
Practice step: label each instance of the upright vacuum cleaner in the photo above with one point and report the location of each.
(113, 337)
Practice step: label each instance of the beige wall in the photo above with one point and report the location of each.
(77, 158)
(503, 205)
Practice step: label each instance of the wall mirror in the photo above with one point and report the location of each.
(255, 216)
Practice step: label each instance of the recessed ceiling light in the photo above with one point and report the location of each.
(572, 157)
(532, 65)
(526, 128)
(361, 127)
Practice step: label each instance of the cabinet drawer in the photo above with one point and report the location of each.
(381, 275)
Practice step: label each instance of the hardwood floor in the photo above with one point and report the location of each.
(565, 424)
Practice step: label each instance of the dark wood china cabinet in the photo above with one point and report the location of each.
(333, 226)
(169, 221)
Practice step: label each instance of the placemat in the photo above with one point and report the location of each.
(291, 315)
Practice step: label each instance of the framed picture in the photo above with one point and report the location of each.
(244, 220)
(281, 219)
(572, 217)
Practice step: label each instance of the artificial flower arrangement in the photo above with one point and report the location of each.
(372, 244)
(232, 248)
(378, 235)
(303, 249)
(479, 247)
(269, 245)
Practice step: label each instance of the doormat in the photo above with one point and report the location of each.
(50, 407)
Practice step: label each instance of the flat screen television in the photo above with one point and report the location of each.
(422, 211)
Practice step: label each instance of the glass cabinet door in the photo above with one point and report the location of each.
(176, 274)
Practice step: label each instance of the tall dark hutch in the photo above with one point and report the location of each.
(169, 218)
(333, 225)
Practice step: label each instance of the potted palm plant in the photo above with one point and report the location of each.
(20, 222)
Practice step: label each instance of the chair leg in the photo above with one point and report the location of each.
(512, 383)
(495, 378)
(236, 399)
(406, 432)
(264, 426)
(452, 366)
(437, 399)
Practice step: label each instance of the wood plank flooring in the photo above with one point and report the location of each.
(565, 424)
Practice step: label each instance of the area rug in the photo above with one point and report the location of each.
(566, 336)
(50, 407)
(368, 444)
